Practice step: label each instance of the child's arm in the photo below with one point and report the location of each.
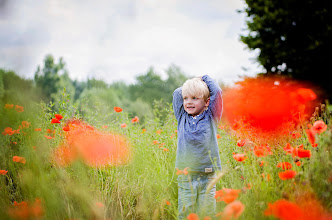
(178, 103)
(216, 102)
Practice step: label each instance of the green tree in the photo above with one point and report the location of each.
(293, 37)
(48, 78)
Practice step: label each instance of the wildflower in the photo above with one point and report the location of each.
(165, 149)
(158, 131)
(143, 130)
(311, 136)
(192, 216)
(19, 159)
(9, 106)
(319, 127)
(268, 177)
(64, 155)
(232, 211)
(284, 210)
(298, 163)
(135, 119)
(218, 136)
(57, 116)
(24, 210)
(168, 203)
(155, 142)
(288, 148)
(227, 195)
(184, 171)
(3, 172)
(241, 143)
(49, 137)
(296, 135)
(239, 157)
(207, 218)
(50, 131)
(262, 163)
(19, 108)
(8, 131)
(123, 125)
(288, 174)
(38, 129)
(284, 165)
(25, 124)
(302, 153)
(117, 109)
(262, 150)
(66, 128)
(55, 121)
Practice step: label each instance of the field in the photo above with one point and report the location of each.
(54, 165)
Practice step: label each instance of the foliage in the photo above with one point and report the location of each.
(293, 38)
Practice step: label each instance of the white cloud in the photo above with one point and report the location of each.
(118, 40)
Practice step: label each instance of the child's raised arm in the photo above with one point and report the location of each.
(178, 103)
(216, 102)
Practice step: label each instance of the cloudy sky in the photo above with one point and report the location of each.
(117, 40)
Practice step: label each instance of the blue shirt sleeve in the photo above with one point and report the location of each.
(216, 102)
(178, 103)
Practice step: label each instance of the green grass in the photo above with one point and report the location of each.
(140, 189)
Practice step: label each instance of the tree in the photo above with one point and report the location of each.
(48, 78)
(293, 36)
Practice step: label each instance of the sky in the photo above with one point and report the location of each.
(118, 40)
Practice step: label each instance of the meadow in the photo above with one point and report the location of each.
(45, 174)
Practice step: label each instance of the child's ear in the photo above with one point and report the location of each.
(207, 102)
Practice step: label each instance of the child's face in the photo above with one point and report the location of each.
(194, 105)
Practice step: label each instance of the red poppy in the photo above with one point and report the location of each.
(19, 159)
(284, 165)
(262, 150)
(227, 195)
(135, 119)
(284, 210)
(8, 131)
(19, 108)
(9, 106)
(117, 109)
(262, 163)
(24, 210)
(25, 124)
(57, 116)
(241, 143)
(296, 135)
(239, 157)
(311, 136)
(288, 174)
(302, 153)
(298, 163)
(38, 129)
(49, 137)
(319, 127)
(123, 125)
(288, 148)
(184, 171)
(192, 216)
(232, 211)
(66, 128)
(55, 121)
(64, 155)
(218, 136)
(3, 172)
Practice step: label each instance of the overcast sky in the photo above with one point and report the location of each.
(117, 40)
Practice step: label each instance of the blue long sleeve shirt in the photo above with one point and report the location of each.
(197, 136)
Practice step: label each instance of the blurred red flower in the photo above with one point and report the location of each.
(19, 108)
(55, 121)
(57, 116)
(284, 210)
(3, 172)
(19, 159)
(239, 157)
(135, 119)
(9, 106)
(288, 174)
(319, 127)
(117, 109)
(284, 165)
(227, 195)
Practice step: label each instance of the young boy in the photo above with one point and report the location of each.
(197, 107)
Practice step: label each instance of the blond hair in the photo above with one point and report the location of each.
(195, 87)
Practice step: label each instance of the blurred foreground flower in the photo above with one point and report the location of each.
(26, 210)
(232, 211)
(96, 148)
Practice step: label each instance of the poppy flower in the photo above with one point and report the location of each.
(319, 127)
(66, 128)
(288, 174)
(168, 202)
(218, 136)
(284, 210)
(262, 150)
(135, 119)
(50, 131)
(298, 163)
(123, 125)
(296, 135)
(284, 165)
(38, 129)
(262, 163)
(64, 155)
(165, 149)
(239, 157)
(8, 131)
(241, 143)
(25, 124)
(117, 109)
(227, 195)
(19, 159)
(184, 171)
(232, 211)
(57, 116)
(311, 136)
(158, 131)
(143, 130)
(55, 121)
(288, 148)
(19, 108)
(49, 137)
(25, 210)
(3, 172)
(9, 106)
(302, 153)
(192, 216)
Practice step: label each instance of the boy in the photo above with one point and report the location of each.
(197, 107)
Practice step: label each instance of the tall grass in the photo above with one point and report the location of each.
(146, 187)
